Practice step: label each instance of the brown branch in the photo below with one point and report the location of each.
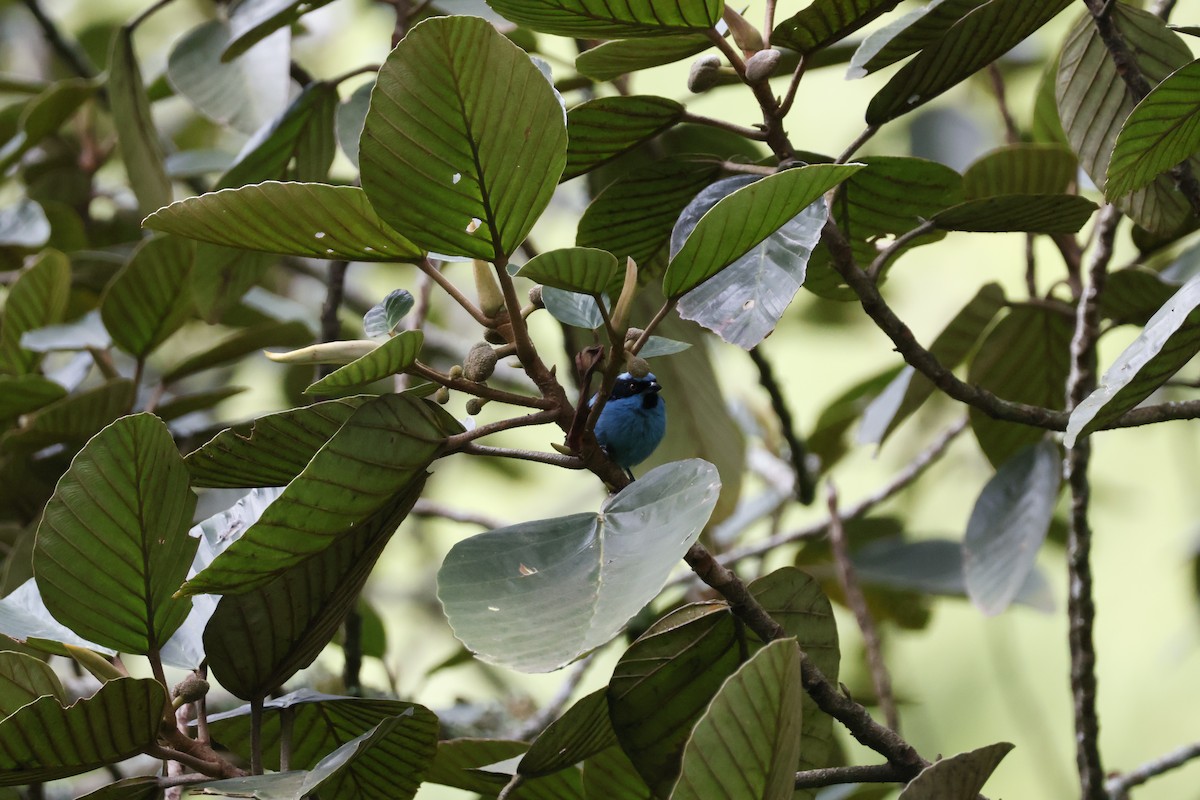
(755, 134)
(551, 711)
(805, 487)
(459, 441)
(833, 776)
(555, 459)
(1118, 787)
(428, 508)
(478, 389)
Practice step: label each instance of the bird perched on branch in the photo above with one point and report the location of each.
(633, 421)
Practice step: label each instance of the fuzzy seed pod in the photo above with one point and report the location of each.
(703, 75)
(456, 371)
(191, 689)
(475, 405)
(493, 336)
(535, 296)
(636, 366)
(480, 362)
(761, 65)
(632, 335)
(442, 395)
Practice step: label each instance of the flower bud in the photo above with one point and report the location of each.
(475, 405)
(535, 296)
(191, 689)
(761, 65)
(704, 73)
(442, 395)
(636, 366)
(480, 362)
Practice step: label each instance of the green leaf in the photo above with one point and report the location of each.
(73, 419)
(244, 342)
(824, 22)
(610, 774)
(573, 308)
(244, 94)
(1031, 213)
(390, 358)
(912, 32)
(258, 639)
(137, 137)
(958, 777)
(44, 740)
(221, 275)
(24, 618)
(24, 679)
(143, 305)
(745, 301)
(604, 128)
(1046, 127)
(581, 732)
(1021, 169)
(661, 346)
(1161, 131)
(1008, 525)
(634, 215)
(251, 21)
(463, 763)
(537, 595)
(909, 390)
(1133, 295)
(24, 225)
(746, 217)
(971, 43)
(312, 220)
(1025, 358)
(751, 730)
(597, 19)
(484, 170)
(575, 269)
(385, 315)
(271, 450)
(21, 394)
(1093, 103)
(613, 59)
(36, 299)
(112, 546)
(44, 115)
(143, 787)
(663, 683)
(1169, 341)
(176, 407)
(351, 116)
(379, 452)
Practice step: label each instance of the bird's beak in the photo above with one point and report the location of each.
(655, 387)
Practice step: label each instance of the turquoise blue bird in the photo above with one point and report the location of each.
(633, 421)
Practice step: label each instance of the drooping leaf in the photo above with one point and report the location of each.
(390, 358)
(958, 777)
(573, 308)
(1021, 169)
(1025, 358)
(824, 22)
(37, 298)
(748, 741)
(634, 215)
(244, 342)
(612, 59)
(1169, 341)
(485, 170)
(44, 115)
(45, 740)
(112, 546)
(913, 32)
(1161, 131)
(1007, 526)
(596, 19)
(580, 733)
(244, 93)
(24, 679)
(272, 450)
(1031, 213)
(141, 151)
(743, 302)
(384, 316)
(21, 394)
(537, 595)
(574, 269)
(251, 21)
(744, 218)
(604, 128)
(1094, 102)
(974, 41)
(383, 448)
(312, 220)
(143, 304)
(24, 225)
(73, 419)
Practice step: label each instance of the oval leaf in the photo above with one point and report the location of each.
(613, 59)
(390, 358)
(36, 299)
(574, 269)
(959, 777)
(251, 21)
(112, 546)
(446, 164)
(1049, 213)
(1008, 525)
(24, 679)
(824, 22)
(598, 19)
(137, 138)
(385, 315)
(602, 129)
(1021, 169)
(1161, 131)
(299, 219)
(143, 305)
(535, 596)
(582, 731)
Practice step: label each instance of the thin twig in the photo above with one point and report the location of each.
(428, 508)
(862, 139)
(256, 744)
(862, 614)
(834, 776)
(331, 325)
(881, 261)
(142, 17)
(556, 459)
(805, 486)
(741, 130)
(478, 389)
(182, 780)
(459, 441)
(553, 709)
(789, 97)
(435, 274)
(747, 169)
(1012, 134)
(769, 24)
(667, 308)
(1118, 787)
(67, 50)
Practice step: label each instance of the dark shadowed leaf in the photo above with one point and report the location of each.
(20, 394)
(1094, 102)
(301, 219)
(143, 787)
(1021, 169)
(573, 308)
(36, 299)
(484, 170)
(1024, 358)
(751, 730)
(1007, 526)
(244, 342)
(251, 21)
(611, 774)
(958, 777)
(45, 740)
(581, 732)
(137, 137)
(912, 32)
(44, 115)
(598, 19)
(1170, 339)
(24, 679)
(272, 450)
(574, 269)
(143, 304)
(176, 407)
(1161, 131)
(824, 22)
(604, 128)
(385, 315)
(1031, 213)
(73, 419)
(612, 59)
(485, 766)
(222, 275)
(1133, 295)
(390, 358)
(973, 42)
(112, 546)
(537, 595)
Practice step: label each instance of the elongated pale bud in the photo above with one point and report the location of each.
(491, 299)
(628, 290)
(704, 74)
(745, 35)
(761, 65)
(326, 352)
